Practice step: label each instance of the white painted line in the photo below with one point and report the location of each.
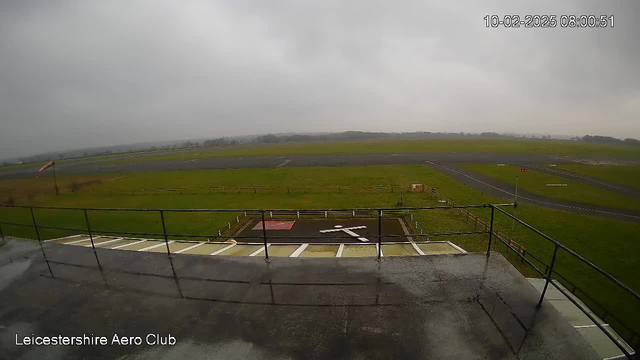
(299, 250)
(189, 248)
(284, 163)
(77, 241)
(340, 250)
(104, 242)
(257, 252)
(156, 246)
(457, 247)
(417, 248)
(589, 326)
(64, 237)
(343, 229)
(223, 249)
(125, 245)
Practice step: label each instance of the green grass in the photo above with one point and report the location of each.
(535, 182)
(611, 244)
(440, 146)
(623, 175)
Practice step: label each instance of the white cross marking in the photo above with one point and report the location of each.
(348, 231)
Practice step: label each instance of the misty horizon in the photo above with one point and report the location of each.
(86, 74)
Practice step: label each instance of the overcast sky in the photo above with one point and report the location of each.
(90, 73)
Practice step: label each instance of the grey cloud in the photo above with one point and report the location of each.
(89, 73)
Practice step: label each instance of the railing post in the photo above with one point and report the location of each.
(379, 234)
(95, 253)
(35, 226)
(164, 231)
(86, 219)
(490, 230)
(264, 236)
(549, 274)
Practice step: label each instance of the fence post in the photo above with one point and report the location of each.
(164, 231)
(264, 237)
(549, 274)
(35, 226)
(490, 230)
(379, 234)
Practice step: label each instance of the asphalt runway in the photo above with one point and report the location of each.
(84, 168)
(493, 187)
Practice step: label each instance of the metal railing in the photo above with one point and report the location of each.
(630, 336)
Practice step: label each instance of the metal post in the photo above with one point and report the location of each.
(549, 274)
(35, 226)
(490, 230)
(164, 231)
(264, 236)
(379, 234)
(86, 218)
(55, 181)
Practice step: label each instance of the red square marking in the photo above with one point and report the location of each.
(274, 225)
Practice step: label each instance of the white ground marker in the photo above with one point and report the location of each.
(63, 238)
(125, 245)
(77, 241)
(257, 252)
(340, 250)
(104, 242)
(299, 250)
(348, 231)
(223, 249)
(189, 248)
(155, 246)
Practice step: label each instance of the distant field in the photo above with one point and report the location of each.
(439, 146)
(535, 182)
(623, 175)
(609, 243)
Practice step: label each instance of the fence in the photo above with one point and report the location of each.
(222, 189)
(628, 333)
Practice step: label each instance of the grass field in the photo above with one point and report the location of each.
(535, 182)
(440, 146)
(606, 242)
(623, 175)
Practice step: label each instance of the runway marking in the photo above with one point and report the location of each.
(417, 248)
(155, 246)
(78, 241)
(62, 238)
(189, 248)
(104, 242)
(534, 200)
(223, 249)
(284, 163)
(257, 252)
(299, 250)
(125, 245)
(340, 250)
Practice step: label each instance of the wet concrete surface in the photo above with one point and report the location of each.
(493, 187)
(444, 307)
(302, 161)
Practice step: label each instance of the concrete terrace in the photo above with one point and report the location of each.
(422, 307)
